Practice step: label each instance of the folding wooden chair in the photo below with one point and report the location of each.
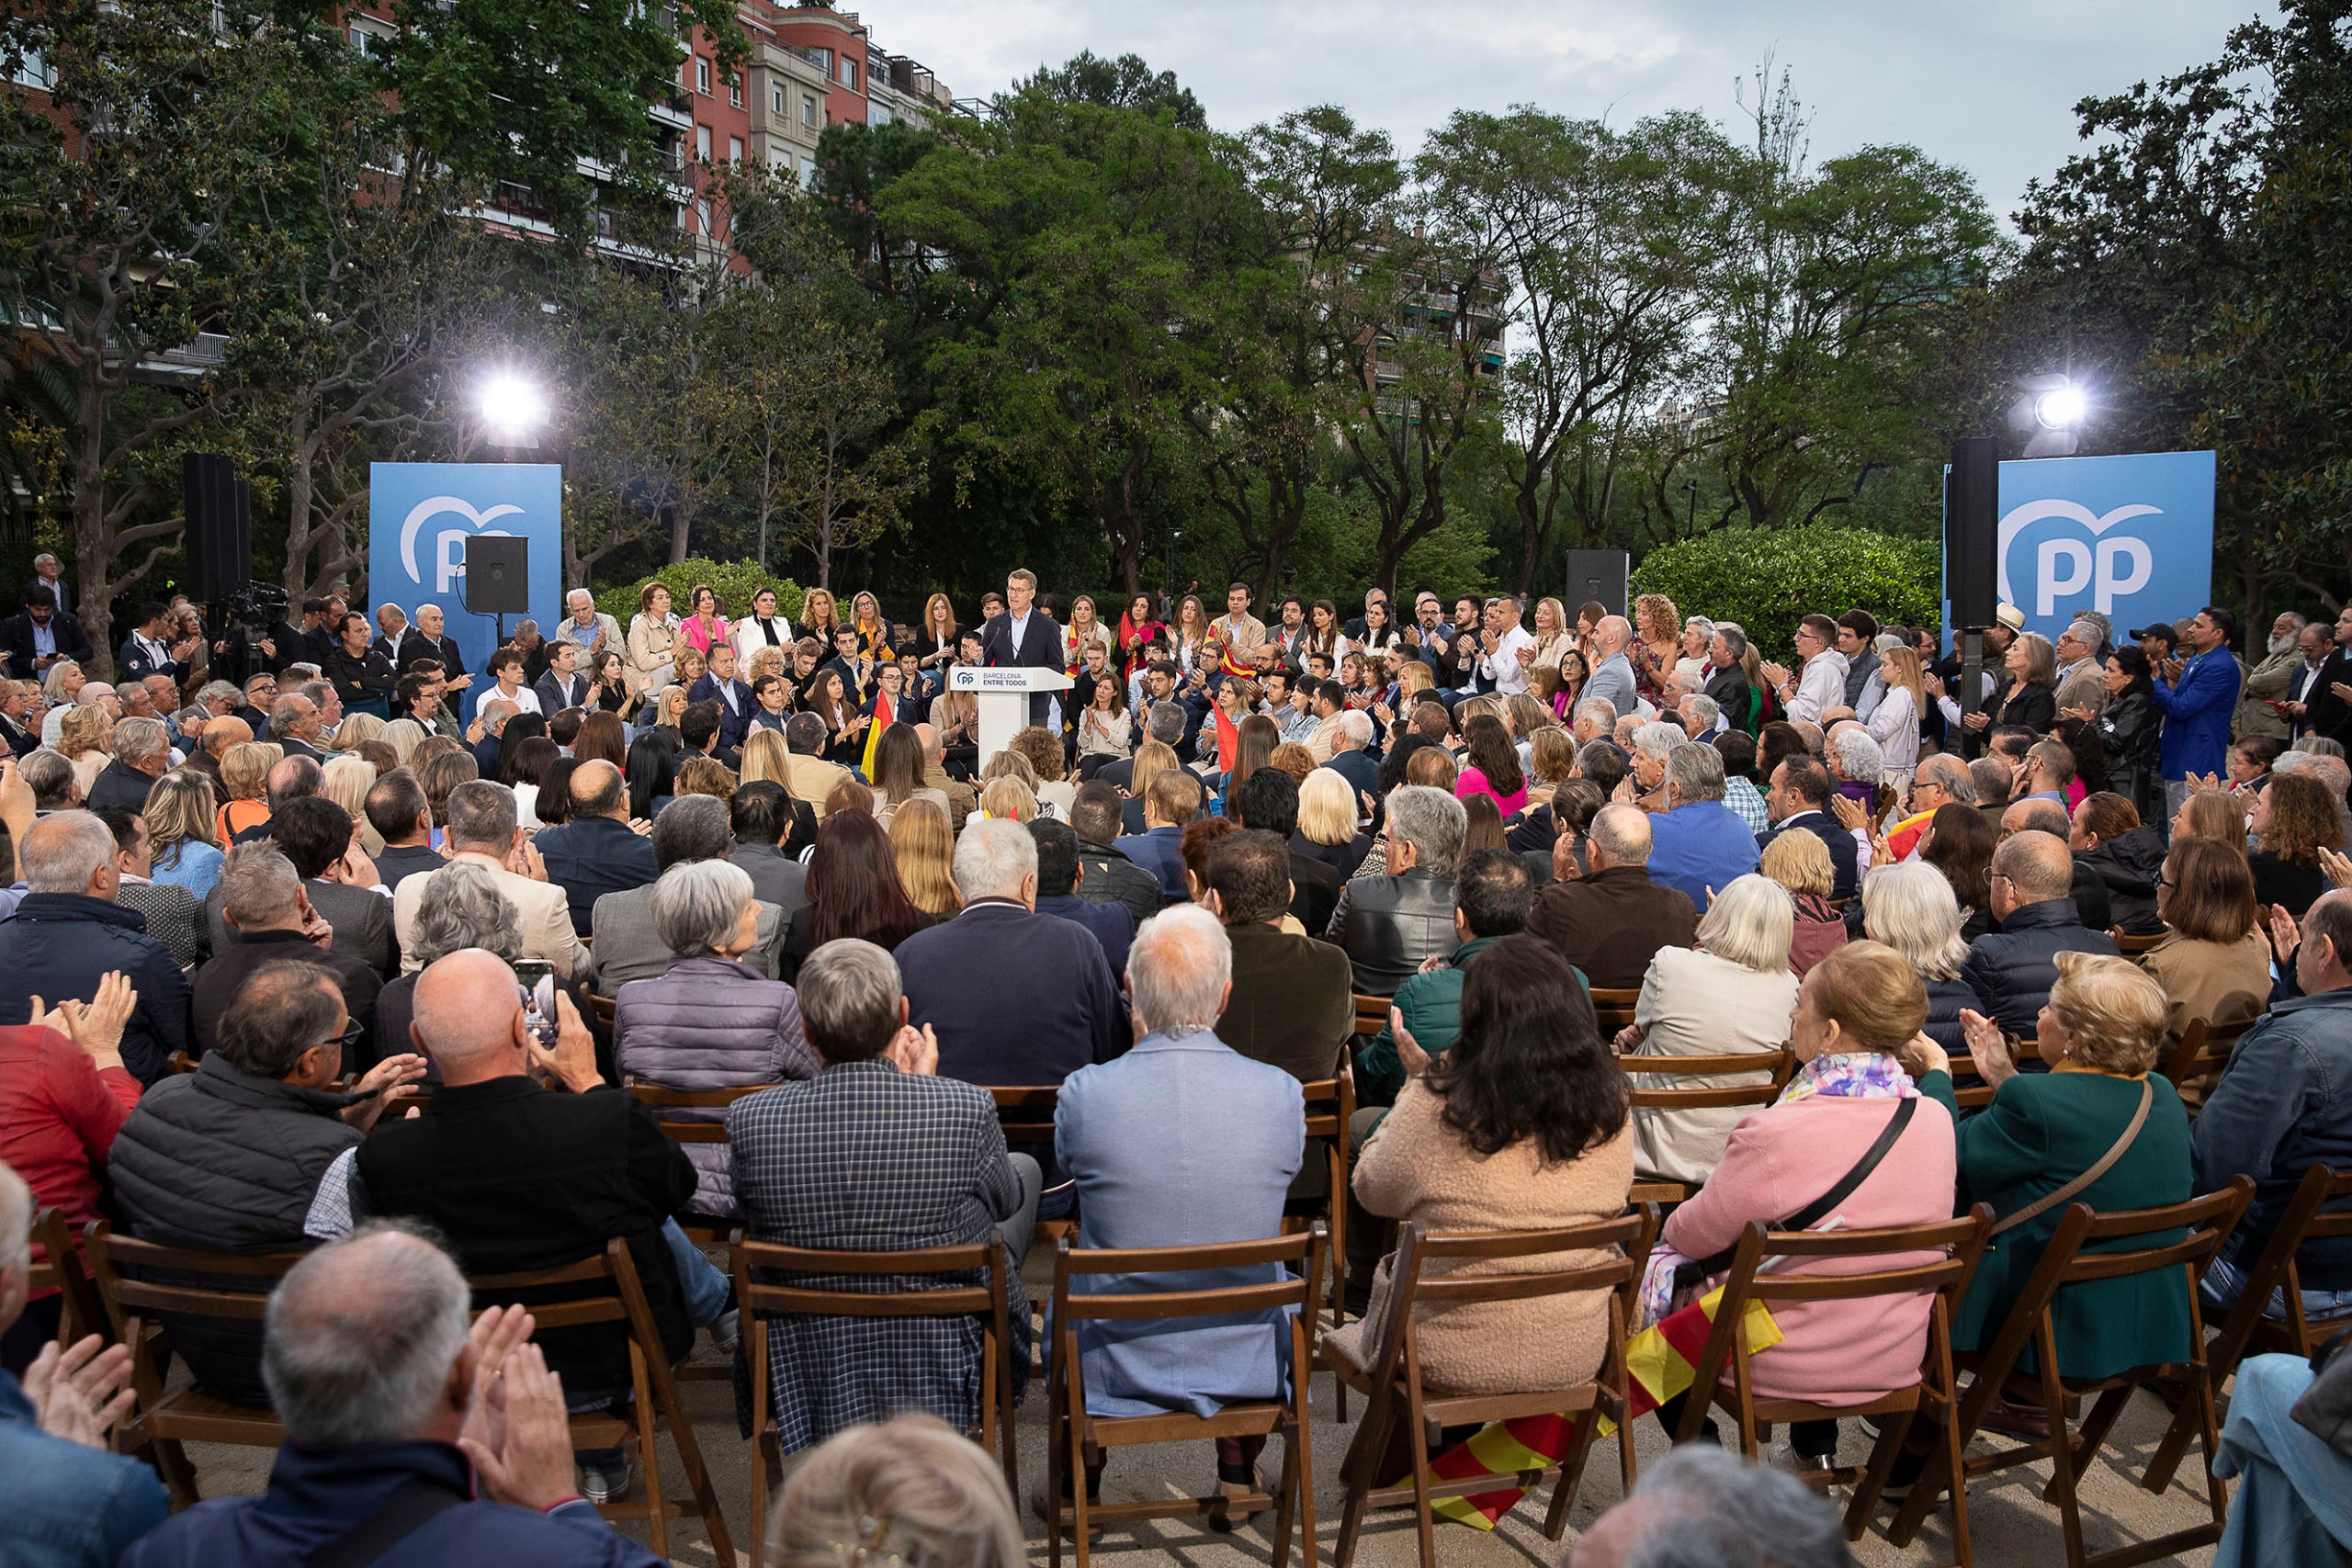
(695, 1116)
(1026, 1114)
(2199, 1057)
(601, 1007)
(2064, 1262)
(620, 1301)
(238, 1289)
(1972, 1093)
(756, 1263)
(1392, 1382)
(1330, 1103)
(2320, 1210)
(1371, 1014)
(2133, 946)
(1613, 1008)
(1935, 1397)
(1778, 1065)
(61, 1269)
(1076, 1433)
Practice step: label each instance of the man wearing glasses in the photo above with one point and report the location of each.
(2012, 969)
(1821, 686)
(1939, 781)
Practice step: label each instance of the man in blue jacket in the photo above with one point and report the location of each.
(2196, 696)
(596, 851)
(393, 1455)
(1698, 845)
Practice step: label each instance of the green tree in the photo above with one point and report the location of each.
(1126, 82)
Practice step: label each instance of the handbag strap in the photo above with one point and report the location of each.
(2100, 1167)
(411, 1506)
(1813, 1213)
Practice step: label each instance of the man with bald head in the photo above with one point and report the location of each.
(2093, 907)
(523, 1175)
(1612, 672)
(1610, 918)
(596, 851)
(220, 734)
(2012, 968)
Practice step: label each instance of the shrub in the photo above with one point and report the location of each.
(1766, 580)
(733, 582)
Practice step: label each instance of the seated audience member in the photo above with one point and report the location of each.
(387, 1391)
(1059, 875)
(67, 933)
(1267, 801)
(808, 774)
(2082, 884)
(340, 883)
(1110, 876)
(175, 916)
(71, 1503)
(1182, 1141)
(1521, 1125)
(1859, 1007)
(520, 1178)
(2281, 1108)
(268, 907)
(2127, 855)
(710, 1020)
(933, 1497)
(228, 1158)
(1800, 863)
(1326, 823)
(854, 889)
(596, 852)
(1606, 917)
(1291, 1007)
(628, 944)
(924, 846)
(402, 818)
(1172, 801)
(2101, 1032)
(1701, 1503)
(877, 1152)
(1391, 923)
(1797, 798)
(2011, 969)
(1729, 995)
(484, 828)
(142, 753)
(2294, 817)
(1910, 908)
(765, 820)
(2214, 960)
(1697, 842)
(1492, 897)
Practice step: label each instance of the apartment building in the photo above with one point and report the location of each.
(813, 67)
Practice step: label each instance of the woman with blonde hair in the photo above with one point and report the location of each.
(820, 617)
(875, 634)
(652, 640)
(433, 745)
(764, 759)
(1006, 799)
(1555, 636)
(244, 779)
(1153, 758)
(1086, 627)
(765, 661)
(924, 844)
(403, 736)
(1895, 723)
(355, 728)
(58, 689)
(180, 814)
(346, 781)
(1326, 823)
(1803, 869)
(911, 1491)
(2032, 699)
(83, 739)
(1657, 642)
(2210, 813)
(668, 707)
(705, 776)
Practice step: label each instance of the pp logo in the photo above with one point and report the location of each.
(2064, 564)
(449, 544)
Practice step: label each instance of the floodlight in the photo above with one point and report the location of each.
(512, 406)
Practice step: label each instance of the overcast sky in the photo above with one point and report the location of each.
(1989, 86)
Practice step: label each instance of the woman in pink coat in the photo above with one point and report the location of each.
(1856, 1011)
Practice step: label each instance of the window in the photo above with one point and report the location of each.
(808, 172)
(734, 149)
(807, 109)
(702, 142)
(877, 113)
(702, 75)
(34, 72)
(735, 91)
(849, 74)
(775, 99)
(368, 35)
(702, 218)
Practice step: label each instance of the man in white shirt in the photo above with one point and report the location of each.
(1822, 686)
(1499, 645)
(506, 669)
(765, 626)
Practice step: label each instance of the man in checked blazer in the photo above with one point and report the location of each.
(878, 1152)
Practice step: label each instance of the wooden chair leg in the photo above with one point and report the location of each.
(1893, 1429)
(1057, 1461)
(1571, 1476)
(1424, 1512)
(1359, 1474)
(682, 1434)
(2062, 1448)
(1285, 1499)
(1958, 1474)
(170, 1461)
(2094, 1430)
(760, 1501)
(650, 1456)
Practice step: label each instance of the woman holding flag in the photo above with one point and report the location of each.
(888, 706)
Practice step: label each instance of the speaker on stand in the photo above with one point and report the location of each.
(1971, 547)
(498, 578)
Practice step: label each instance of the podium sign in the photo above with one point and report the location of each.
(1003, 696)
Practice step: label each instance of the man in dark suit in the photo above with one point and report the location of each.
(1610, 919)
(733, 699)
(1267, 801)
(1728, 683)
(596, 851)
(1293, 1003)
(1797, 798)
(41, 635)
(401, 817)
(1024, 638)
(1058, 874)
(392, 624)
(563, 686)
(426, 640)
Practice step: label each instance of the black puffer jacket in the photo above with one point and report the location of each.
(1945, 999)
(1389, 924)
(61, 944)
(2132, 728)
(2130, 865)
(224, 1161)
(2013, 968)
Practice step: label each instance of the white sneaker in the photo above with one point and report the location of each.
(602, 1486)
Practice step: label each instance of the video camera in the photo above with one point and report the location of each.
(243, 621)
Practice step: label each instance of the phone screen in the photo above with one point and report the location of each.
(535, 979)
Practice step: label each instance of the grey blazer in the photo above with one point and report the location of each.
(625, 947)
(362, 919)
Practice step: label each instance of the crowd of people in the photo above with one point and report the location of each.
(728, 849)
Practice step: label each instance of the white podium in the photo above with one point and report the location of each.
(1003, 700)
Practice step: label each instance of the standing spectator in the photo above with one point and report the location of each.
(1391, 923)
(2013, 968)
(1821, 686)
(1608, 919)
(1698, 844)
(2129, 730)
(2196, 698)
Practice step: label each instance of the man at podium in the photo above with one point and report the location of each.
(1024, 638)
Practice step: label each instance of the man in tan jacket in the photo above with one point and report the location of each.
(484, 829)
(808, 775)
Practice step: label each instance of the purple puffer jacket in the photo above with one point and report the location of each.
(710, 1023)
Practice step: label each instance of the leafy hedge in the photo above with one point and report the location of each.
(733, 582)
(1769, 579)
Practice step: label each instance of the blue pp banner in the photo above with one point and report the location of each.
(2128, 536)
(420, 516)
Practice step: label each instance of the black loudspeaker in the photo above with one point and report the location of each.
(1594, 574)
(498, 576)
(1972, 531)
(219, 508)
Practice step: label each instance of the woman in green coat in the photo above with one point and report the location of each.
(2101, 1033)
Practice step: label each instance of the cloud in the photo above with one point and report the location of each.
(1990, 88)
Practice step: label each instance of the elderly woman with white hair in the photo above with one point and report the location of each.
(711, 1021)
(1911, 908)
(1729, 995)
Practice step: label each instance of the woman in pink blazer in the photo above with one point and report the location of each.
(705, 627)
(1856, 1011)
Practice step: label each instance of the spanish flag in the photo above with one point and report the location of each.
(1660, 1362)
(885, 714)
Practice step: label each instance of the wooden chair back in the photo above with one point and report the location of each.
(60, 1268)
(1076, 1432)
(692, 1115)
(1330, 1103)
(1399, 1401)
(1614, 1007)
(1776, 1067)
(2133, 946)
(1025, 1112)
(180, 1062)
(602, 1008)
(761, 1298)
(1371, 1014)
(2200, 1053)
(1974, 1093)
